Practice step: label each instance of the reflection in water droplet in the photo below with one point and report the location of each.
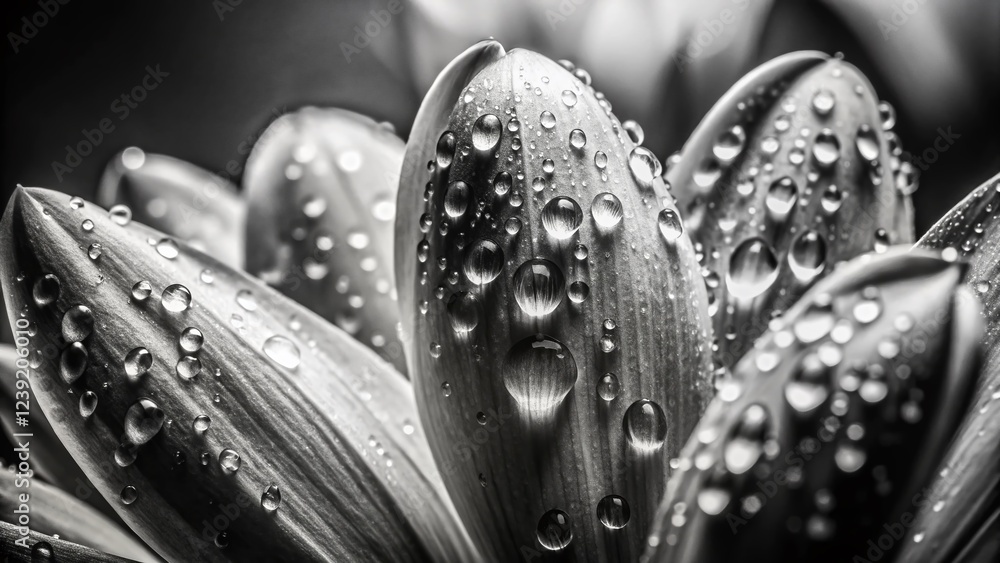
(547, 120)
(77, 323)
(578, 291)
(143, 421)
(176, 298)
(88, 403)
(167, 248)
(46, 290)
(613, 511)
(823, 102)
(645, 425)
(554, 530)
(483, 261)
(456, 199)
(606, 209)
(538, 372)
(539, 286)
(128, 495)
(577, 139)
(270, 500)
(730, 144)
(608, 387)
(486, 132)
(562, 217)
(464, 312)
(445, 149)
(283, 351)
(644, 166)
(752, 269)
(670, 224)
(781, 198)
(867, 143)
(826, 148)
(230, 461)
(73, 362)
(137, 362)
(807, 256)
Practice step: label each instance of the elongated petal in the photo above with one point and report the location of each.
(833, 424)
(792, 172)
(225, 421)
(560, 354)
(963, 499)
(28, 546)
(49, 458)
(321, 189)
(55, 512)
(180, 199)
(432, 117)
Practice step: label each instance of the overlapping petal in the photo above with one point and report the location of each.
(961, 512)
(321, 190)
(834, 423)
(180, 199)
(39, 547)
(222, 421)
(793, 171)
(560, 351)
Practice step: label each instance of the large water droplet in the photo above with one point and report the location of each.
(77, 323)
(464, 312)
(456, 199)
(143, 421)
(781, 198)
(562, 217)
(73, 362)
(538, 372)
(826, 148)
(539, 286)
(486, 132)
(752, 269)
(46, 290)
(807, 256)
(270, 500)
(730, 144)
(867, 143)
(554, 531)
(230, 461)
(483, 261)
(283, 351)
(176, 298)
(645, 425)
(671, 227)
(606, 209)
(613, 511)
(137, 362)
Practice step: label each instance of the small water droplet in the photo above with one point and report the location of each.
(88, 403)
(807, 256)
(577, 139)
(456, 199)
(270, 500)
(670, 224)
(201, 423)
(578, 291)
(230, 461)
(569, 98)
(644, 166)
(191, 339)
(608, 387)
(547, 120)
(464, 312)
(730, 144)
(129, 495)
(645, 425)
(168, 248)
(867, 143)
(445, 149)
(823, 102)
(188, 367)
(484, 261)
(283, 351)
(562, 217)
(141, 290)
(781, 198)
(634, 131)
(826, 148)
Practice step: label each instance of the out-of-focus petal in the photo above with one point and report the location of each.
(180, 199)
(561, 353)
(791, 173)
(834, 423)
(962, 502)
(421, 149)
(321, 192)
(223, 421)
(56, 512)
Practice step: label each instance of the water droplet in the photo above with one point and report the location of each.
(539, 286)
(887, 114)
(486, 132)
(283, 351)
(512, 225)
(464, 312)
(137, 362)
(143, 421)
(807, 256)
(176, 298)
(644, 166)
(88, 403)
(95, 250)
(42, 552)
(713, 500)
(577, 139)
(826, 148)
(562, 217)
(752, 269)
(483, 261)
(823, 102)
(188, 367)
(46, 290)
(554, 530)
(191, 339)
(833, 197)
(634, 131)
(849, 458)
(613, 511)
(538, 372)
(456, 199)
(600, 160)
(670, 224)
(730, 144)
(446, 389)
(781, 198)
(547, 120)
(569, 98)
(445, 149)
(867, 143)
(645, 425)
(87, 225)
(77, 323)
(707, 174)
(201, 423)
(129, 495)
(270, 500)
(141, 290)
(606, 209)
(502, 182)
(578, 292)
(608, 387)
(168, 248)
(230, 461)
(246, 300)
(808, 389)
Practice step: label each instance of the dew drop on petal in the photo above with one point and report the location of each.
(483, 261)
(283, 351)
(538, 372)
(230, 461)
(176, 298)
(88, 403)
(121, 214)
(670, 224)
(73, 362)
(77, 323)
(539, 287)
(613, 512)
(143, 421)
(137, 362)
(554, 530)
(270, 500)
(128, 495)
(645, 425)
(486, 133)
(46, 290)
(752, 269)
(607, 209)
(168, 248)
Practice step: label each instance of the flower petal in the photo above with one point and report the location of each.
(789, 174)
(38, 547)
(180, 199)
(56, 512)
(217, 400)
(431, 118)
(560, 354)
(831, 426)
(321, 190)
(49, 458)
(962, 500)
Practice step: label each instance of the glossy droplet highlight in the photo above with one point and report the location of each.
(645, 425)
(230, 461)
(554, 531)
(484, 261)
(730, 144)
(141, 290)
(128, 495)
(562, 217)
(73, 362)
(613, 512)
(538, 372)
(826, 149)
(752, 269)
(270, 500)
(486, 132)
(137, 362)
(781, 198)
(807, 256)
(539, 287)
(176, 298)
(670, 224)
(88, 404)
(46, 290)
(606, 209)
(283, 351)
(143, 421)
(77, 323)
(456, 199)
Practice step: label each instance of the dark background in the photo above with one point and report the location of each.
(228, 76)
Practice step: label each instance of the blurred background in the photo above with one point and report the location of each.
(201, 80)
